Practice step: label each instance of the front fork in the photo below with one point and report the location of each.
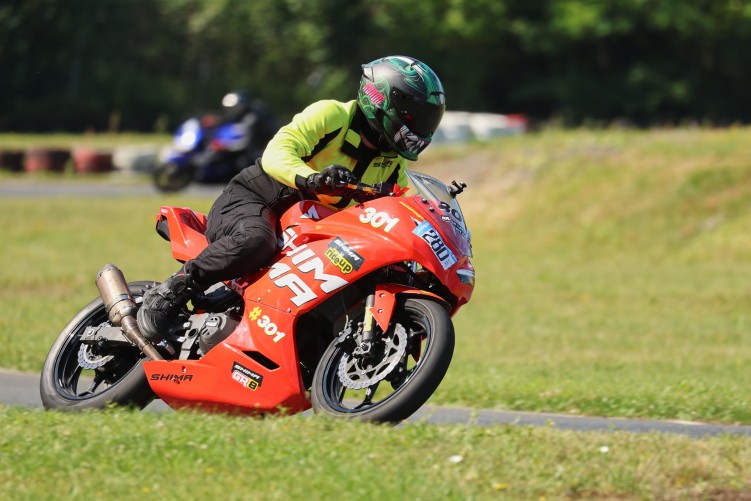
(366, 337)
(380, 307)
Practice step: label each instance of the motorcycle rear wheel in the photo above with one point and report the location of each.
(423, 362)
(67, 385)
(171, 177)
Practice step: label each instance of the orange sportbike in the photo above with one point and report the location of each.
(352, 317)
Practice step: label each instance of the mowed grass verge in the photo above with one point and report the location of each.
(136, 456)
(612, 280)
(612, 271)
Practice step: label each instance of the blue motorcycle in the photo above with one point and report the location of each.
(205, 152)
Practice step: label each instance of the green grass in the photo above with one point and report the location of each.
(53, 250)
(612, 274)
(124, 455)
(612, 271)
(612, 279)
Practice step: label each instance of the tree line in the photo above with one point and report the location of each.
(145, 64)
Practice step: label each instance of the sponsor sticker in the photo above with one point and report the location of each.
(246, 377)
(413, 211)
(175, 378)
(306, 261)
(343, 256)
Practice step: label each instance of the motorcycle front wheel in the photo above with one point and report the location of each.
(405, 367)
(171, 177)
(80, 376)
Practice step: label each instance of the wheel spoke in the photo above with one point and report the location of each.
(416, 338)
(98, 379)
(70, 377)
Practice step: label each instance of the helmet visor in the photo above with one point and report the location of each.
(421, 117)
(401, 138)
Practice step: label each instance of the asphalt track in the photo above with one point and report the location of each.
(22, 389)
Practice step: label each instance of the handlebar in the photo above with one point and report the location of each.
(368, 188)
(362, 192)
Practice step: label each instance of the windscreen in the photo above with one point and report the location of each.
(447, 206)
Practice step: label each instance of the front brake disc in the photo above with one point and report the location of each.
(360, 372)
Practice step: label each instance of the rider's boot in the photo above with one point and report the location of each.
(162, 304)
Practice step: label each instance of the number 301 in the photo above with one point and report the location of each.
(378, 219)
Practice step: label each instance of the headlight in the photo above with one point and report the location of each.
(466, 277)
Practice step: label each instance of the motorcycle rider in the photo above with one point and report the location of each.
(399, 104)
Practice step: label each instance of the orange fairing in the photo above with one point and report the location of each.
(324, 252)
(228, 378)
(385, 300)
(186, 229)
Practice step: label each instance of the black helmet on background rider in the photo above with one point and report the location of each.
(235, 104)
(403, 100)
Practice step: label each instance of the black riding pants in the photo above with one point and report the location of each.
(242, 235)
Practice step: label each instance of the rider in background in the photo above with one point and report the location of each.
(399, 104)
(257, 125)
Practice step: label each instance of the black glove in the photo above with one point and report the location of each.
(332, 181)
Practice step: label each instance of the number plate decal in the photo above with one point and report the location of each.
(431, 236)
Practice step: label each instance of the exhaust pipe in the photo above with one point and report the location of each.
(121, 308)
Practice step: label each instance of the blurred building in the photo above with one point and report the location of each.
(463, 126)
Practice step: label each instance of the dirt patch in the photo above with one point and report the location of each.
(491, 179)
(722, 494)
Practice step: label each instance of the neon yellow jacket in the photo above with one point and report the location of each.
(325, 133)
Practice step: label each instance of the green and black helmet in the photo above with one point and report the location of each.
(404, 102)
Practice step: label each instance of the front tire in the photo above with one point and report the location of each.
(120, 379)
(415, 355)
(171, 177)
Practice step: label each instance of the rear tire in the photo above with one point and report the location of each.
(119, 381)
(429, 345)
